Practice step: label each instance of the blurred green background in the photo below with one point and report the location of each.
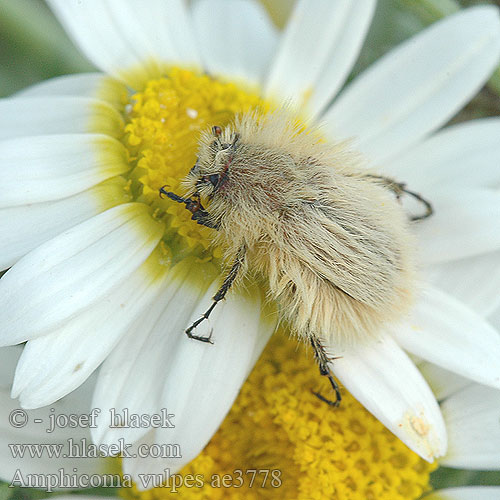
(34, 47)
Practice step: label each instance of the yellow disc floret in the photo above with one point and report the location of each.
(163, 124)
(281, 441)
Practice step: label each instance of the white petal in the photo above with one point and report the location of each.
(121, 35)
(464, 224)
(133, 376)
(21, 117)
(82, 84)
(91, 85)
(466, 493)
(386, 382)
(494, 318)
(474, 281)
(69, 273)
(8, 361)
(54, 365)
(418, 86)
(236, 38)
(46, 168)
(465, 155)
(77, 403)
(444, 331)
(204, 380)
(151, 344)
(36, 433)
(318, 48)
(142, 469)
(443, 383)
(472, 417)
(27, 226)
(162, 29)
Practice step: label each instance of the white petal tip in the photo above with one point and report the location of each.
(419, 435)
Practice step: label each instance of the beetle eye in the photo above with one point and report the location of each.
(214, 179)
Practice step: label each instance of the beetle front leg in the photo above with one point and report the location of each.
(193, 204)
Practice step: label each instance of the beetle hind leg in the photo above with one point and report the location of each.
(323, 359)
(400, 189)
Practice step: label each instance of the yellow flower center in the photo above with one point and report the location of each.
(281, 441)
(162, 127)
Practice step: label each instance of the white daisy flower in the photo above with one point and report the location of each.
(104, 272)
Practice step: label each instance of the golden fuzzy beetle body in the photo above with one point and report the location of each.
(330, 238)
(333, 243)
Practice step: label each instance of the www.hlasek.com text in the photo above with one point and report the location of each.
(83, 448)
